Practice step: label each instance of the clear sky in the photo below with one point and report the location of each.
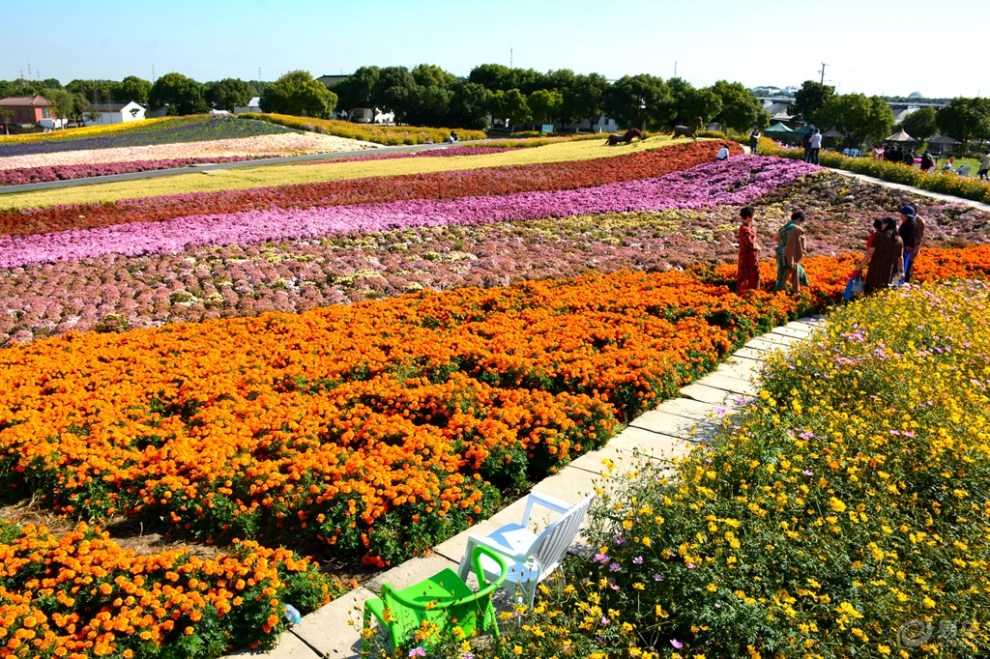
(886, 47)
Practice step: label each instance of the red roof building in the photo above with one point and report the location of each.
(28, 109)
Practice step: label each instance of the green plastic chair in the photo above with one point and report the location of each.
(443, 600)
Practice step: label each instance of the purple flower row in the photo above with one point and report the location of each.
(736, 181)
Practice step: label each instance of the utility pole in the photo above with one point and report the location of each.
(510, 58)
(823, 73)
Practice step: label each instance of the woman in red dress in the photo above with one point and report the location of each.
(748, 269)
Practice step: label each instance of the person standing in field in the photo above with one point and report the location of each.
(912, 233)
(884, 258)
(748, 267)
(754, 140)
(816, 146)
(790, 251)
(984, 171)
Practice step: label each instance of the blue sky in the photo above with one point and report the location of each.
(891, 47)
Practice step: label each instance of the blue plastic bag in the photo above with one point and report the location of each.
(853, 288)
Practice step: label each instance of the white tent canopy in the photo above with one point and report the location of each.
(900, 136)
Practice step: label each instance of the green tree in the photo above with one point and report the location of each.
(510, 106)
(545, 105)
(18, 87)
(920, 124)
(468, 106)
(703, 104)
(493, 77)
(95, 91)
(62, 101)
(394, 90)
(298, 94)
(860, 117)
(879, 120)
(79, 105)
(430, 75)
(740, 109)
(228, 93)
(809, 100)
(423, 106)
(358, 89)
(680, 93)
(133, 88)
(180, 94)
(641, 101)
(583, 99)
(965, 119)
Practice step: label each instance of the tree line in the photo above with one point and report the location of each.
(428, 95)
(864, 118)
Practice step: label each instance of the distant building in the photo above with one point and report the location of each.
(113, 113)
(32, 110)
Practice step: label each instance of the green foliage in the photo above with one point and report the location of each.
(356, 90)
(862, 118)
(810, 99)
(229, 93)
(740, 109)
(641, 101)
(296, 93)
(920, 124)
(965, 119)
(133, 88)
(545, 105)
(182, 95)
(703, 103)
(510, 105)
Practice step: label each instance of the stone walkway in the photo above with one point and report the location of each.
(669, 430)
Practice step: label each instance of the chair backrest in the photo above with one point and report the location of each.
(550, 546)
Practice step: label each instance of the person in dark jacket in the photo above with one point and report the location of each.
(884, 258)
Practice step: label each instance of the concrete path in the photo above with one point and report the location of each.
(668, 431)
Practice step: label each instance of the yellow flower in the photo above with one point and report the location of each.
(836, 505)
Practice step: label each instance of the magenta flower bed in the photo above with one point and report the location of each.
(23, 175)
(736, 181)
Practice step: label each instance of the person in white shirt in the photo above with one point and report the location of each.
(723, 153)
(816, 145)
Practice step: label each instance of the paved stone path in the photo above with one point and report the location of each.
(669, 430)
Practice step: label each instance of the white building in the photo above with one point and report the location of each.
(113, 113)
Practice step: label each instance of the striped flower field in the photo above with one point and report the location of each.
(357, 369)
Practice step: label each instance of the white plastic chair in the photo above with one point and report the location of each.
(531, 556)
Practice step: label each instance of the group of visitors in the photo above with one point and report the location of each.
(891, 250)
(897, 153)
(790, 250)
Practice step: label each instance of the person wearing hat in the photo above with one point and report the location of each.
(912, 232)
